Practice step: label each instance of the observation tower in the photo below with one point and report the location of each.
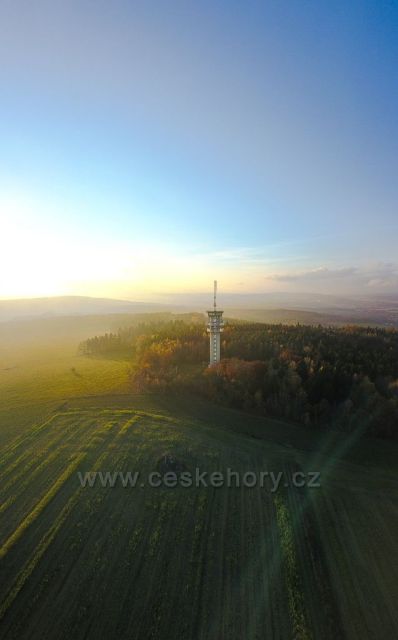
(215, 325)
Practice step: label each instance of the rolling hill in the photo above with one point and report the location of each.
(187, 562)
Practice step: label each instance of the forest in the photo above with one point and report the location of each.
(323, 377)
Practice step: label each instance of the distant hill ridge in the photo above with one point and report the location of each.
(71, 305)
(273, 307)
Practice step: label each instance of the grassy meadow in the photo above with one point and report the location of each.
(207, 563)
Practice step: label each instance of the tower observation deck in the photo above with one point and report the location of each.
(215, 325)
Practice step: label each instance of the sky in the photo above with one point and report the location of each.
(150, 147)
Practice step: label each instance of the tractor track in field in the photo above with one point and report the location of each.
(312, 560)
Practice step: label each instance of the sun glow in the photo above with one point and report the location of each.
(42, 256)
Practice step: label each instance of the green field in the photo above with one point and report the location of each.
(210, 563)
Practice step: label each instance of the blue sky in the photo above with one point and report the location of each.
(148, 147)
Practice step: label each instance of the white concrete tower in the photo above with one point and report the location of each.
(215, 325)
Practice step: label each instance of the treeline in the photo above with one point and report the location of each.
(135, 340)
(319, 376)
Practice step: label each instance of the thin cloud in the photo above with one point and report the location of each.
(321, 273)
(377, 276)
